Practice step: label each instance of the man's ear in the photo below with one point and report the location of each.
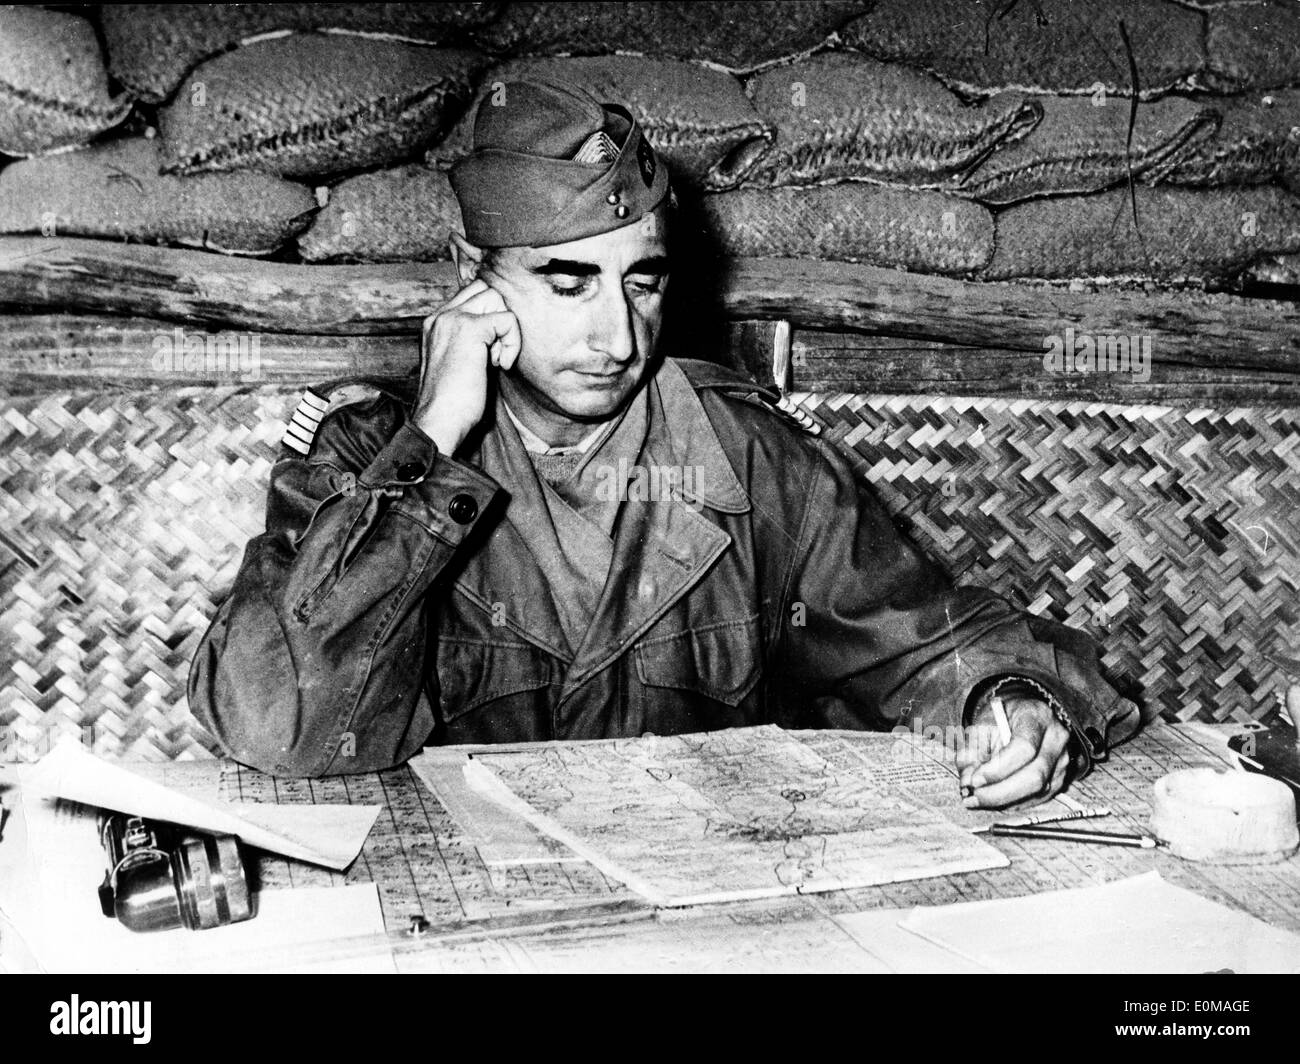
(466, 256)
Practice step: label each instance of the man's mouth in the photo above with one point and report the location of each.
(602, 375)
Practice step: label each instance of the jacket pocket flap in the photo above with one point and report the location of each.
(721, 660)
(472, 672)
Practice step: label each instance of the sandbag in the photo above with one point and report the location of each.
(312, 104)
(1258, 141)
(114, 190)
(1081, 147)
(698, 118)
(842, 116)
(1045, 46)
(1252, 46)
(400, 215)
(1186, 234)
(909, 229)
(53, 87)
(151, 47)
(737, 34)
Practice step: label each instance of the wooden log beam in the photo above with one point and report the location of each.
(68, 352)
(65, 351)
(1210, 336)
(48, 352)
(855, 362)
(1194, 328)
(200, 288)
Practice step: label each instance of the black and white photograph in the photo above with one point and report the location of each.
(748, 487)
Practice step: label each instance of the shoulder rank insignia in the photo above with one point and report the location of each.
(313, 407)
(310, 412)
(782, 405)
(797, 413)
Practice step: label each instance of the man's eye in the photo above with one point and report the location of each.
(569, 289)
(647, 288)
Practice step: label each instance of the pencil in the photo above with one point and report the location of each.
(1027, 820)
(1101, 838)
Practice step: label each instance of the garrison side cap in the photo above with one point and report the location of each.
(521, 185)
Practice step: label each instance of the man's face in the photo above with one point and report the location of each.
(589, 313)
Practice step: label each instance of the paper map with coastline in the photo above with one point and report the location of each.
(743, 813)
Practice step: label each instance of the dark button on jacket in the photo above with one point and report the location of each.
(463, 509)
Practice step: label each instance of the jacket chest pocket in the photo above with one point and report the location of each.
(473, 673)
(721, 661)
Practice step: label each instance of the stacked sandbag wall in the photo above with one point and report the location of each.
(1125, 140)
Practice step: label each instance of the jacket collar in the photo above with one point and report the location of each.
(684, 429)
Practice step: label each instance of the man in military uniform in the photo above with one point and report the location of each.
(558, 535)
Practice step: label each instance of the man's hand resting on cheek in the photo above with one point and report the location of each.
(1028, 770)
(471, 331)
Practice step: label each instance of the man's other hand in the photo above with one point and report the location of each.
(472, 331)
(1028, 770)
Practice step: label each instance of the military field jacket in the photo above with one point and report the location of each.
(392, 603)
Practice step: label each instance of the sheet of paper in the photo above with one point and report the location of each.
(50, 895)
(1141, 924)
(711, 943)
(328, 835)
(672, 942)
(501, 837)
(294, 931)
(742, 813)
(900, 951)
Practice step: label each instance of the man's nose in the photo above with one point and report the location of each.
(612, 333)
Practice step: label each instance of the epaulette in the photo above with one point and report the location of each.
(711, 376)
(316, 403)
(799, 415)
(779, 404)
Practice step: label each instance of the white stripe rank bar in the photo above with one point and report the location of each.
(311, 410)
(797, 412)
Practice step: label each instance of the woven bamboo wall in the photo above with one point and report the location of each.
(122, 521)
(1171, 534)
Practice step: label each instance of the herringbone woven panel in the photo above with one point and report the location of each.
(123, 519)
(1173, 536)
(122, 522)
